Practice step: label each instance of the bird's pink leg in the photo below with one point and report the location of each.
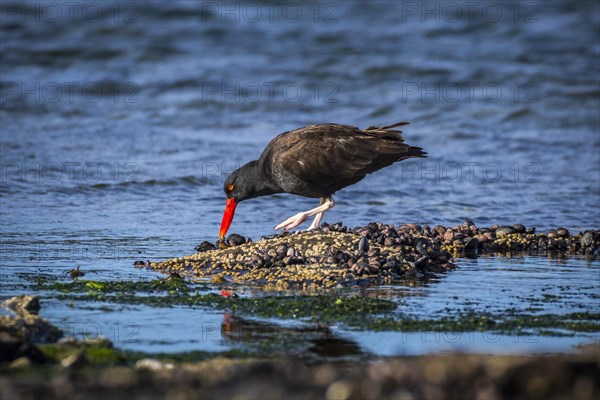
(316, 222)
(292, 222)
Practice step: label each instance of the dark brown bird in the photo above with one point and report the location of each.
(315, 161)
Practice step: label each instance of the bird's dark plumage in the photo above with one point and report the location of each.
(315, 161)
(318, 160)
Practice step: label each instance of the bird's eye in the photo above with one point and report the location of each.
(229, 188)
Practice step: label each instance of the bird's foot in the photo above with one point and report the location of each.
(313, 226)
(292, 222)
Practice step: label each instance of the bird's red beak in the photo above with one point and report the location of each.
(227, 217)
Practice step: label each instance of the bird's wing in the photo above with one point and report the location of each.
(327, 154)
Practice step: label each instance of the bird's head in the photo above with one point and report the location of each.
(239, 186)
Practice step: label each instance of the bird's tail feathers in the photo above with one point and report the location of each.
(384, 128)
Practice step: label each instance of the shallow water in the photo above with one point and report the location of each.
(529, 285)
(119, 121)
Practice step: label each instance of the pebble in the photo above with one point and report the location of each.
(449, 236)
(363, 244)
(21, 362)
(153, 364)
(467, 223)
(424, 246)
(471, 245)
(235, 240)
(75, 360)
(504, 230)
(562, 232)
(519, 228)
(205, 246)
(24, 304)
(587, 238)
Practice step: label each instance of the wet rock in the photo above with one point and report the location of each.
(363, 244)
(424, 247)
(27, 324)
(372, 254)
(562, 232)
(257, 259)
(221, 243)
(235, 240)
(76, 360)
(471, 246)
(281, 251)
(363, 265)
(519, 228)
(99, 341)
(153, 364)
(272, 253)
(482, 238)
(21, 362)
(389, 265)
(13, 347)
(467, 223)
(460, 236)
(174, 276)
(421, 262)
(205, 246)
(439, 230)
(504, 231)
(23, 304)
(587, 239)
(449, 236)
(388, 241)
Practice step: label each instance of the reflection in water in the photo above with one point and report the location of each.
(301, 339)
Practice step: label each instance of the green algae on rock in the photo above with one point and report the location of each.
(361, 312)
(314, 259)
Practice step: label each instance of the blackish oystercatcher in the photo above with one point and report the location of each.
(315, 161)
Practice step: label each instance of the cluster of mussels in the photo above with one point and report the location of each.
(466, 238)
(512, 239)
(336, 255)
(393, 254)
